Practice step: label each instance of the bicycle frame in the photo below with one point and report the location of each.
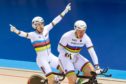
(93, 79)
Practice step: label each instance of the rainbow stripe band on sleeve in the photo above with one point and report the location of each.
(73, 49)
(41, 45)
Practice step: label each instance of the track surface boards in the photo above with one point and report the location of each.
(18, 76)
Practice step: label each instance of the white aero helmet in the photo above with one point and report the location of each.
(80, 25)
(36, 20)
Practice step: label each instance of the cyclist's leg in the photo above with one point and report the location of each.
(50, 78)
(71, 76)
(43, 64)
(83, 65)
(54, 62)
(68, 67)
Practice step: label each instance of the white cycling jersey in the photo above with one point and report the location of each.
(41, 43)
(69, 43)
(72, 44)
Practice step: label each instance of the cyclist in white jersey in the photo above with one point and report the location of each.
(41, 43)
(69, 49)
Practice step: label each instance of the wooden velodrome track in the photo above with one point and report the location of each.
(20, 76)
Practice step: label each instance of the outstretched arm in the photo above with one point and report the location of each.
(18, 32)
(59, 17)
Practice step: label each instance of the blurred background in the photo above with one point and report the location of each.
(106, 20)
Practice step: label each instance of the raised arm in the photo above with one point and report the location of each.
(18, 32)
(59, 17)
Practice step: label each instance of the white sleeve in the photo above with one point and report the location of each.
(53, 23)
(57, 20)
(30, 35)
(48, 27)
(88, 42)
(91, 50)
(26, 35)
(63, 40)
(62, 44)
(93, 55)
(61, 49)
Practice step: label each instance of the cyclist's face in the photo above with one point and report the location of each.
(39, 27)
(80, 33)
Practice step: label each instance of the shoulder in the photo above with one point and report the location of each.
(68, 34)
(33, 32)
(86, 37)
(48, 26)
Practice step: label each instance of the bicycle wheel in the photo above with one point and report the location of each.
(37, 79)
